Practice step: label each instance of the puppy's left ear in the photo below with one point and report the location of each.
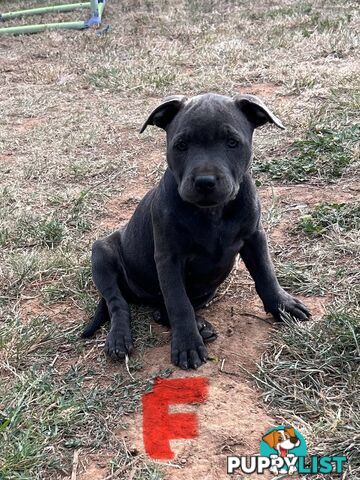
(256, 111)
(165, 112)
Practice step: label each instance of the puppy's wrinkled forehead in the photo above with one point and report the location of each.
(209, 104)
(207, 116)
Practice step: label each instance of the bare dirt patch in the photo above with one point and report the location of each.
(310, 194)
(119, 209)
(94, 466)
(60, 312)
(265, 90)
(25, 124)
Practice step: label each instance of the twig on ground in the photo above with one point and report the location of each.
(222, 365)
(245, 314)
(54, 360)
(127, 367)
(75, 465)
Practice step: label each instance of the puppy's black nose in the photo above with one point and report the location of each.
(205, 183)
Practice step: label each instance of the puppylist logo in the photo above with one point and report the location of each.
(283, 450)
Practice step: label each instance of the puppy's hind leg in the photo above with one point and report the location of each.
(206, 330)
(101, 316)
(107, 268)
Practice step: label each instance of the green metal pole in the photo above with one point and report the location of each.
(101, 9)
(94, 7)
(42, 27)
(97, 8)
(50, 9)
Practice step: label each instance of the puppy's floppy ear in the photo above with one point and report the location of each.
(256, 111)
(165, 112)
(271, 438)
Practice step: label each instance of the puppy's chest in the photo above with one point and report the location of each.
(212, 260)
(215, 241)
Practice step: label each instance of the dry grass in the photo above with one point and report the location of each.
(71, 106)
(311, 375)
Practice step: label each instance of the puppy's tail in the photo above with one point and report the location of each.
(99, 319)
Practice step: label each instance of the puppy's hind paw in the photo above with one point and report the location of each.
(206, 330)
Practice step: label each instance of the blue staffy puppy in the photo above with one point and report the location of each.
(183, 238)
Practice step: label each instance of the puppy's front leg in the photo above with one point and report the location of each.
(187, 346)
(255, 254)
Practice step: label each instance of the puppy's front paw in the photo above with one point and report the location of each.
(118, 344)
(188, 351)
(285, 302)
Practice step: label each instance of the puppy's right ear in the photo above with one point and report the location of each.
(164, 113)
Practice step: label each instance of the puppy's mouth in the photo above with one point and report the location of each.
(210, 200)
(207, 204)
(204, 202)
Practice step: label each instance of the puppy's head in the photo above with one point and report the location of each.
(209, 143)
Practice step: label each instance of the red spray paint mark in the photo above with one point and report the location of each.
(160, 426)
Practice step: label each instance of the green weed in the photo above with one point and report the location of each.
(324, 153)
(341, 216)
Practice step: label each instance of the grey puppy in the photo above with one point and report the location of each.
(184, 236)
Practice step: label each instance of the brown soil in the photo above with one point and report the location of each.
(94, 467)
(264, 90)
(59, 312)
(309, 195)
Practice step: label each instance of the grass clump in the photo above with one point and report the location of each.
(323, 152)
(326, 216)
(31, 231)
(298, 278)
(312, 372)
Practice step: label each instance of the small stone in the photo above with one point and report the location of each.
(230, 331)
(133, 450)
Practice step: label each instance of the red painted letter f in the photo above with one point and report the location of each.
(159, 426)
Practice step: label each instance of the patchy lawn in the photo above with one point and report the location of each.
(73, 168)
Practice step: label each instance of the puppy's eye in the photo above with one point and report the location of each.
(232, 142)
(181, 145)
